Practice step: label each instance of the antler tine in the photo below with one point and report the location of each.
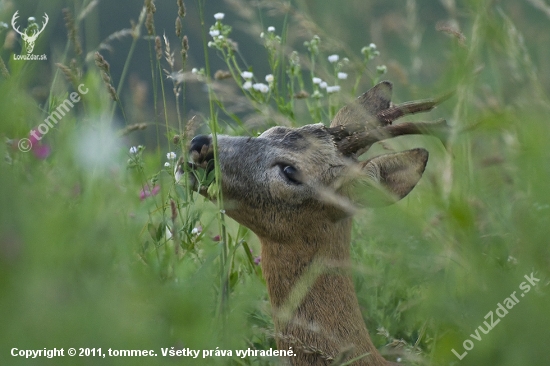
(395, 112)
(359, 143)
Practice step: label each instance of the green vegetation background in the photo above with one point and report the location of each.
(84, 262)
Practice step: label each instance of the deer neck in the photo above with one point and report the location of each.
(315, 309)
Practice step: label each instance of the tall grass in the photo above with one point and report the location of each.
(85, 262)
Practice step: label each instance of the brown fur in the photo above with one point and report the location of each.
(322, 318)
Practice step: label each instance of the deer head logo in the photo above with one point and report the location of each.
(31, 33)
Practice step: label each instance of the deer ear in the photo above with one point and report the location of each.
(390, 177)
(377, 98)
(364, 109)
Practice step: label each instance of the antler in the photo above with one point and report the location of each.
(46, 18)
(13, 19)
(357, 126)
(16, 28)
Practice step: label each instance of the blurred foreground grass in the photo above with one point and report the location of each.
(84, 262)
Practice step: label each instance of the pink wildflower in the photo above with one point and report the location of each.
(40, 151)
(35, 136)
(147, 192)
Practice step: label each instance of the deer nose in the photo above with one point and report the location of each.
(200, 148)
(198, 142)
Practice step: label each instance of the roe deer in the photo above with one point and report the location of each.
(294, 188)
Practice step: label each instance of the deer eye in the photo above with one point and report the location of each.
(290, 173)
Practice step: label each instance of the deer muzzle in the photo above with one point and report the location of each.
(201, 151)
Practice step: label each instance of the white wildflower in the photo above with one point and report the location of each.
(271, 29)
(194, 71)
(133, 150)
(381, 69)
(214, 33)
(195, 231)
(247, 85)
(219, 16)
(342, 75)
(220, 37)
(247, 75)
(167, 165)
(316, 80)
(333, 89)
(323, 84)
(333, 58)
(372, 45)
(261, 87)
(269, 78)
(171, 155)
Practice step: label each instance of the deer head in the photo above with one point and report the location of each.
(286, 170)
(296, 189)
(29, 39)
